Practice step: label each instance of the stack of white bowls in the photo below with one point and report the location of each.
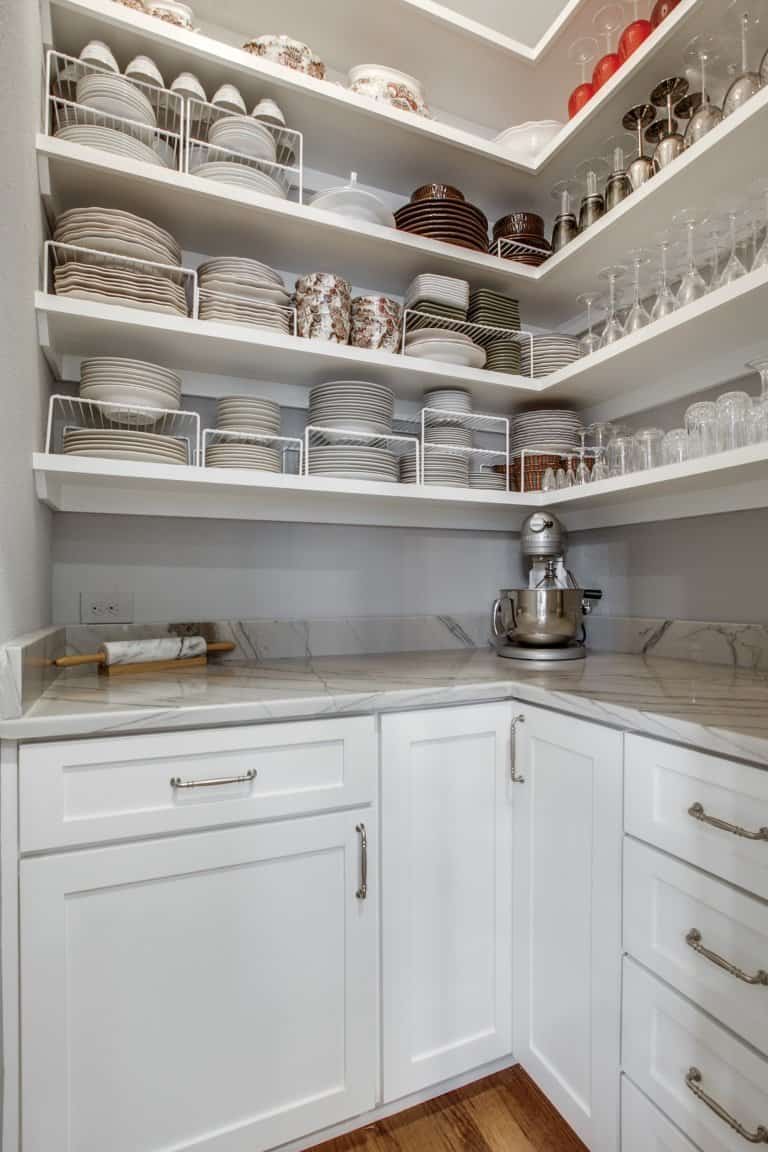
(117, 380)
(243, 291)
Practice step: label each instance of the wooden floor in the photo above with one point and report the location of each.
(503, 1113)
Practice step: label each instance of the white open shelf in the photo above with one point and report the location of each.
(392, 149)
(722, 483)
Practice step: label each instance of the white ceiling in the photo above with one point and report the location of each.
(522, 20)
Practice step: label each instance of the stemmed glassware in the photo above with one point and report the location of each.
(637, 120)
(590, 341)
(666, 301)
(692, 285)
(746, 82)
(700, 55)
(634, 34)
(565, 227)
(669, 143)
(759, 430)
(638, 316)
(761, 255)
(582, 52)
(607, 22)
(591, 173)
(613, 329)
(712, 229)
(734, 267)
(618, 186)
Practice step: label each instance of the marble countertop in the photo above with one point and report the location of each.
(714, 707)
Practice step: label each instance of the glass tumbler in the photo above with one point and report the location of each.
(648, 443)
(674, 447)
(734, 410)
(621, 455)
(701, 426)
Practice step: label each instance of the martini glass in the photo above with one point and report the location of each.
(613, 329)
(745, 82)
(582, 52)
(634, 34)
(607, 22)
(636, 120)
(666, 300)
(701, 55)
(638, 316)
(692, 285)
(590, 341)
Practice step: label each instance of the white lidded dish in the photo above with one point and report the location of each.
(355, 203)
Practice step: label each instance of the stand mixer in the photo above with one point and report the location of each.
(544, 621)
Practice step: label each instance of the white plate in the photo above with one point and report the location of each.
(446, 352)
(245, 135)
(115, 96)
(109, 140)
(240, 175)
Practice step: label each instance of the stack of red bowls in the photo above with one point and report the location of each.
(525, 233)
(441, 212)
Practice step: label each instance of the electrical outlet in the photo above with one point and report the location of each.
(113, 607)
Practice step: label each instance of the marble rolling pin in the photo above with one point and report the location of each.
(166, 654)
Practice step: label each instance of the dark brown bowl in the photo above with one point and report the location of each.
(436, 192)
(520, 222)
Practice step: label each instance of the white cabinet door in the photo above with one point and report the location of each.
(216, 991)
(567, 901)
(446, 892)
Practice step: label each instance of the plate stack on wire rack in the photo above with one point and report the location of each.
(546, 437)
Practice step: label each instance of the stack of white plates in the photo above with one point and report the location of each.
(545, 427)
(450, 434)
(116, 380)
(445, 347)
(241, 454)
(450, 469)
(110, 140)
(487, 480)
(241, 175)
(354, 405)
(550, 353)
(445, 291)
(453, 401)
(115, 96)
(120, 444)
(120, 284)
(248, 414)
(243, 292)
(110, 230)
(245, 135)
(350, 462)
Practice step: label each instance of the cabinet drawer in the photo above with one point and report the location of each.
(667, 1042)
(644, 1128)
(664, 783)
(666, 901)
(88, 791)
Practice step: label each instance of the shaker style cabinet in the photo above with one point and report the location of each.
(567, 902)
(215, 991)
(446, 803)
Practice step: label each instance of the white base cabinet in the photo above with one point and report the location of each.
(214, 991)
(567, 902)
(446, 804)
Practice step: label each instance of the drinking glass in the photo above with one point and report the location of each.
(613, 329)
(759, 416)
(648, 443)
(591, 174)
(666, 301)
(634, 34)
(618, 186)
(621, 455)
(674, 447)
(582, 52)
(745, 82)
(692, 285)
(565, 227)
(548, 482)
(701, 426)
(590, 341)
(638, 316)
(733, 413)
(599, 435)
(637, 120)
(600, 469)
(561, 479)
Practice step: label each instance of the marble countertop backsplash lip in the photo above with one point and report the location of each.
(721, 709)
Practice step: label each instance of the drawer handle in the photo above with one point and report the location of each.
(514, 776)
(693, 940)
(362, 892)
(177, 782)
(698, 813)
(693, 1080)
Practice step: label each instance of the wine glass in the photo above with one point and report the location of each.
(712, 229)
(636, 120)
(607, 21)
(638, 316)
(613, 329)
(618, 186)
(692, 285)
(634, 34)
(760, 403)
(590, 341)
(666, 301)
(734, 266)
(669, 143)
(582, 52)
(745, 82)
(700, 55)
(761, 255)
(591, 173)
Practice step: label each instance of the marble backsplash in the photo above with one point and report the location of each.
(25, 664)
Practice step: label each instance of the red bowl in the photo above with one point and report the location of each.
(632, 37)
(579, 97)
(606, 67)
(661, 10)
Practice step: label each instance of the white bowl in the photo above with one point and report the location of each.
(182, 13)
(98, 55)
(187, 84)
(143, 68)
(227, 96)
(270, 112)
(526, 141)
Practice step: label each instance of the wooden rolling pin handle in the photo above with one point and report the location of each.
(81, 658)
(221, 646)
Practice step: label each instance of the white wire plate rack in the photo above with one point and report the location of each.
(56, 255)
(249, 303)
(163, 142)
(72, 413)
(432, 418)
(567, 455)
(484, 335)
(399, 444)
(287, 169)
(511, 249)
(291, 448)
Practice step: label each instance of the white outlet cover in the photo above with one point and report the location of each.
(106, 606)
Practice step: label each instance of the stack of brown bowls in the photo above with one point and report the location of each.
(525, 231)
(440, 212)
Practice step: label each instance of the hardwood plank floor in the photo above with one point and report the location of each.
(502, 1113)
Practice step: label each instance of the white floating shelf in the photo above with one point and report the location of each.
(395, 150)
(723, 483)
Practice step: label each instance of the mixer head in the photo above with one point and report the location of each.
(542, 536)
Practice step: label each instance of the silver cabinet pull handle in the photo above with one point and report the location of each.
(177, 782)
(698, 813)
(693, 940)
(693, 1080)
(362, 892)
(515, 778)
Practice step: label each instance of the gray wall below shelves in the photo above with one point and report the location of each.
(24, 522)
